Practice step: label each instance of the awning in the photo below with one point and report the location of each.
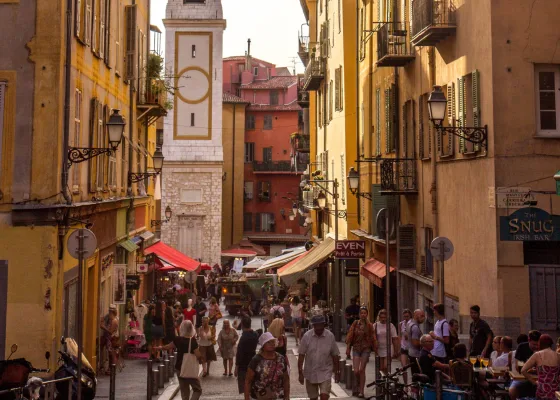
(129, 245)
(309, 260)
(375, 271)
(205, 267)
(172, 257)
(147, 235)
(238, 253)
(136, 240)
(282, 260)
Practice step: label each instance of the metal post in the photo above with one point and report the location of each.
(70, 387)
(342, 369)
(155, 380)
(171, 366)
(113, 372)
(377, 374)
(439, 389)
(388, 290)
(161, 376)
(442, 272)
(149, 383)
(349, 377)
(336, 273)
(166, 375)
(80, 317)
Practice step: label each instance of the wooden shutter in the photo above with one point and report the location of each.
(78, 19)
(451, 102)
(387, 120)
(108, 33)
(337, 89)
(94, 12)
(258, 222)
(331, 95)
(378, 122)
(476, 102)
(406, 246)
(131, 42)
(462, 114)
(92, 163)
(421, 127)
(404, 128)
(87, 22)
(100, 143)
(102, 10)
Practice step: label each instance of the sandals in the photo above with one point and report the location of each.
(225, 374)
(204, 375)
(230, 374)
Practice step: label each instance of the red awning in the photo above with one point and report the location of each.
(174, 258)
(238, 253)
(205, 267)
(294, 261)
(375, 271)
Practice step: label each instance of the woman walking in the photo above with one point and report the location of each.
(361, 341)
(147, 328)
(226, 346)
(297, 309)
(185, 344)
(157, 327)
(214, 314)
(278, 331)
(384, 350)
(169, 323)
(206, 345)
(407, 315)
(267, 375)
(547, 363)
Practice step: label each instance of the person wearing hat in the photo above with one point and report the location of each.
(318, 359)
(110, 327)
(267, 374)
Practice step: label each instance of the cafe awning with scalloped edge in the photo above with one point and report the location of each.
(375, 271)
(168, 255)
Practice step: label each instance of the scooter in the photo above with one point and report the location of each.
(14, 375)
(69, 368)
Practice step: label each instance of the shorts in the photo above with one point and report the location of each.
(297, 321)
(241, 373)
(404, 351)
(524, 388)
(314, 389)
(363, 353)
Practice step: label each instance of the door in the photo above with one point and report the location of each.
(3, 305)
(545, 298)
(267, 155)
(190, 237)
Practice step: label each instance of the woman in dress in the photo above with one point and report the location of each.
(214, 314)
(297, 308)
(226, 346)
(206, 346)
(183, 343)
(278, 331)
(189, 312)
(169, 323)
(360, 340)
(157, 327)
(547, 363)
(267, 375)
(148, 326)
(383, 348)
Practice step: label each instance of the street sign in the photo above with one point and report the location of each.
(142, 268)
(513, 197)
(530, 224)
(441, 248)
(132, 282)
(350, 249)
(90, 243)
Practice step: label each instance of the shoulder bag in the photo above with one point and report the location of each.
(190, 368)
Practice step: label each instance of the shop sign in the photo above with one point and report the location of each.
(510, 197)
(352, 272)
(142, 268)
(350, 249)
(132, 282)
(530, 224)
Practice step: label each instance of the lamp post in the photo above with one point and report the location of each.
(354, 184)
(158, 165)
(115, 130)
(157, 222)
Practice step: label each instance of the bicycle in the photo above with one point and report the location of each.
(390, 385)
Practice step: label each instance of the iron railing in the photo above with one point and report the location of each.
(302, 143)
(392, 42)
(151, 92)
(309, 197)
(431, 14)
(303, 97)
(398, 176)
(275, 166)
(314, 74)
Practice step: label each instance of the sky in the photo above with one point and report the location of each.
(273, 27)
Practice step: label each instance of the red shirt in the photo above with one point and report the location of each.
(189, 315)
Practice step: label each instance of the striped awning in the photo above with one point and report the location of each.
(308, 261)
(282, 260)
(129, 245)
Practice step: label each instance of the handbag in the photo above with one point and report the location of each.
(190, 368)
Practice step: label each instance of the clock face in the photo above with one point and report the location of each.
(193, 85)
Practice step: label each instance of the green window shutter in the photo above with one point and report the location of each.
(450, 115)
(462, 113)
(407, 246)
(387, 119)
(421, 127)
(476, 102)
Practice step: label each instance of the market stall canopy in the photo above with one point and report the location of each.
(308, 261)
(246, 244)
(375, 271)
(172, 257)
(255, 262)
(238, 253)
(205, 267)
(282, 260)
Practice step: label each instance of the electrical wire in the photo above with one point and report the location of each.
(31, 200)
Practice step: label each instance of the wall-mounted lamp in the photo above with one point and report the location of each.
(168, 214)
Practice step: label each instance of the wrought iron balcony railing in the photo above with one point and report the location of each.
(432, 21)
(393, 47)
(275, 166)
(309, 196)
(152, 97)
(398, 176)
(302, 143)
(314, 74)
(303, 48)
(303, 98)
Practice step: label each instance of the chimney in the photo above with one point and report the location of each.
(248, 56)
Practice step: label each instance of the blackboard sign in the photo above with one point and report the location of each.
(132, 282)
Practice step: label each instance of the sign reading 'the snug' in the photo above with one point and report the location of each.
(530, 224)
(350, 249)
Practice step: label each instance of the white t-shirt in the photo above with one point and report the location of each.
(502, 361)
(404, 340)
(296, 310)
(441, 330)
(381, 332)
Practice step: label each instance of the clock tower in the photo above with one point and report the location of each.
(193, 167)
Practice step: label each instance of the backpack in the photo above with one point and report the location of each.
(448, 348)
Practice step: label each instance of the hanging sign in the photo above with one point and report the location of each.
(530, 224)
(132, 282)
(142, 268)
(350, 249)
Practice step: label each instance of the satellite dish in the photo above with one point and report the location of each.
(381, 224)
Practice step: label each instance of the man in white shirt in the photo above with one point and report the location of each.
(440, 334)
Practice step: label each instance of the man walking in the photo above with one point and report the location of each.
(246, 350)
(200, 309)
(440, 334)
(319, 353)
(414, 334)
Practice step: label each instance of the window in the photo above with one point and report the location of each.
(192, 119)
(107, 35)
(264, 191)
(331, 100)
(267, 154)
(390, 115)
(321, 6)
(256, 71)
(407, 147)
(265, 222)
(93, 141)
(338, 98)
(247, 222)
(378, 122)
(118, 39)
(446, 143)
(339, 16)
(111, 157)
(95, 11)
(100, 143)
(250, 122)
(469, 108)
(248, 191)
(249, 152)
(159, 137)
(193, 51)
(267, 122)
(274, 97)
(77, 133)
(130, 16)
(191, 196)
(428, 237)
(102, 21)
(87, 22)
(320, 108)
(547, 88)
(424, 128)
(124, 163)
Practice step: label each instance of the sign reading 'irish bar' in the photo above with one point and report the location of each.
(530, 224)
(350, 249)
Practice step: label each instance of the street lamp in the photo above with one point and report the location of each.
(158, 165)
(168, 214)
(294, 209)
(322, 200)
(437, 106)
(353, 180)
(115, 130)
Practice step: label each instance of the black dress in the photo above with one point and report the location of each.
(169, 327)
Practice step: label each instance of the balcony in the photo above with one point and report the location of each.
(152, 98)
(303, 97)
(309, 197)
(301, 143)
(303, 49)
(398, 176)
(432, 22)
(314, 74)
(274, 167)
(393, 48)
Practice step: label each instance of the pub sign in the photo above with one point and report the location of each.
(350, 249)
(530, 224)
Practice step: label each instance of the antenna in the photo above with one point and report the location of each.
(293, 60)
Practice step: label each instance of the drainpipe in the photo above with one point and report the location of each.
(359, 205)
(66, 130)
(233, 175)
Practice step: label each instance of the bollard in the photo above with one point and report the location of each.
(149, 381)
(171, 367)
(342, 369)
(155, 380)
(166, 375)
(112, 383)
(349, 377)
(161, 377)
(439, 389)
(378, 390)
